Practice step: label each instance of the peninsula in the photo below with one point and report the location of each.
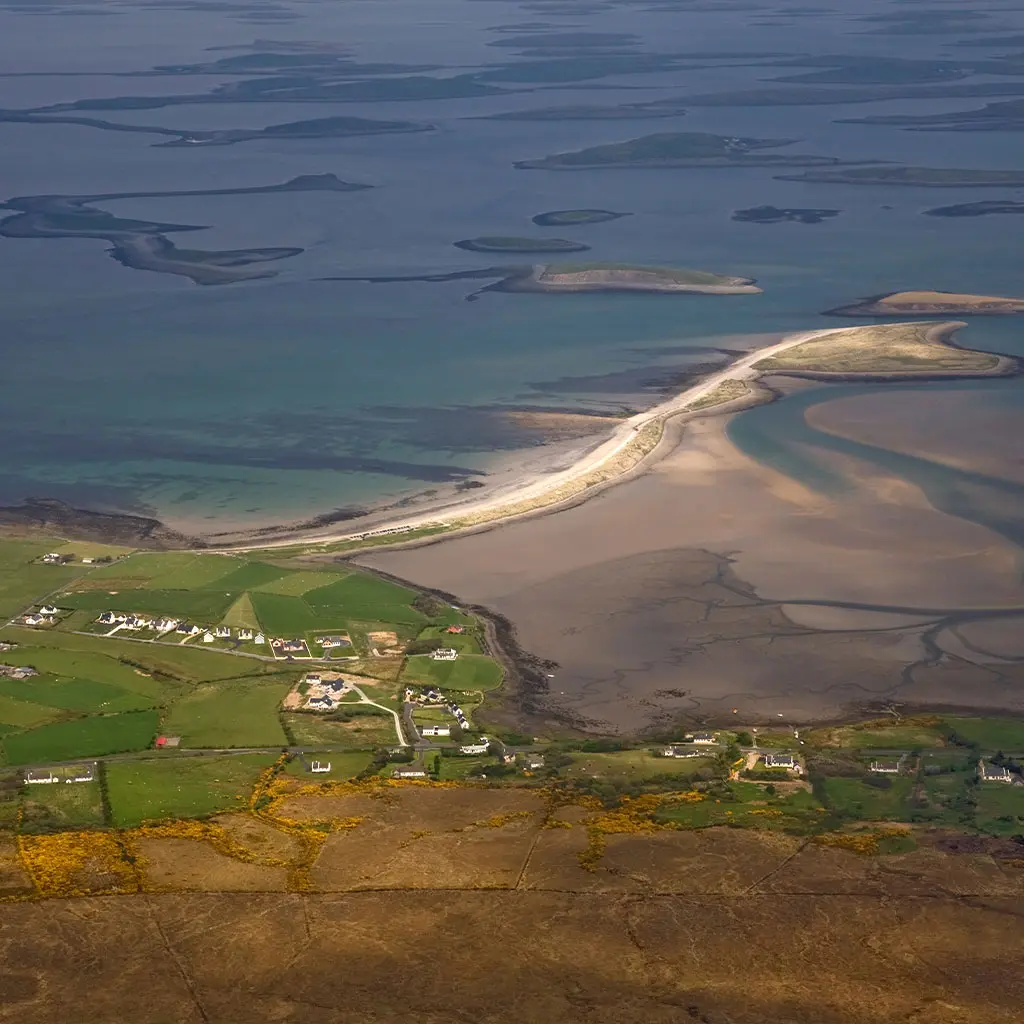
(929, 303)
(679, 149)
(562, 218)
(513, 244)
(979, 209)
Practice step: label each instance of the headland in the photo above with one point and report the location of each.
(929, 303)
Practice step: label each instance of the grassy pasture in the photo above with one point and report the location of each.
(750, 806)
(202, 571)
(855, 799)
(74, 694)
(1000, 809)
(298, 583)
(82, 737)
(146, 565)
(365, 597)
(241, 614)
(23, 714)
(248, 575)
(60, 805)
(27, 585)
(469, 672)
(1006, 734)
(632, 764)
(239, 713)
(364, 732)
(344, 765)
(205, 605)
(152, 790)
(292, 616)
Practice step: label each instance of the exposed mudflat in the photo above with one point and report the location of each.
(712, 582)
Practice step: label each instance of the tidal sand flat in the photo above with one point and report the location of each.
(650, 613)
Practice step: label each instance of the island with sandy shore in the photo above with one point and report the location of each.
(930, 303)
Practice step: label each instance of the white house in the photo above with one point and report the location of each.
(676, 751)
(49, 609)
(476, 748)
(533, 761)
(409, 772)
(313, 679)
(779, 761)
(222, 632)
(88, 561)
(993, 773)
(43, 777)
(321, 703)
(165, 625)
(705, 738)
(245, 634)
(208, 638)
(320, 766)
(110, 619)
(445, 654)
(82, 773)
(259, 638)
(436, 730)
(886, 767)
(33, 619)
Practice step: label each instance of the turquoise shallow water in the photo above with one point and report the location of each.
(285, 398)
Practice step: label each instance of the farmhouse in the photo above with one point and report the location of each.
(409, 771)
(435, 730)
(318, 767)
(323, 703)
(6, 645)
(41, 776)
(55, 558)
(531, 762)
(313, 679)
(674, 750)
(81, 773)
(162, 742)
(289, 646)
(222, 632)
(208, 638)
(993, 773)
(245, 634)
(17, 671)
(327, 642)
(886, 767)
(445, 654)
(49, 609)
(779, 761)
(476, 748)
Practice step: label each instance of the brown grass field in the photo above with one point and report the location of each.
(438, 904)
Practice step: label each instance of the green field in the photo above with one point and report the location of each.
(239, 713)
(365, 597)
(632, 764)
(297, 583)
(207, 606)
(991, 734)
(60, 805)
(874, 737)
(344, 765)
(999, 809)
(748, 805)
(280, 615)
(469, 672)
(365, 732)
(247, 576)
(22, 714)
(855, 799)
(186, 787)
(241, 614)
(74, 694)
(82, 737)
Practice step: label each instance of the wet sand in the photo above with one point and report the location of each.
(681, 592)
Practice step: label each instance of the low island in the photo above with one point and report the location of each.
(923, 177)
(513, 244)
(979, 209)
(623, 277)
(679, 149)
(561, 218)
(929, 303)
(775, 215)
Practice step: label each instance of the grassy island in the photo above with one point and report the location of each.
(777, 215)
(618, 277)
(886, 350)
(512, 244)
(923, 177)
(678, 149)
(928, 303)
(560, 218)
(979, 209)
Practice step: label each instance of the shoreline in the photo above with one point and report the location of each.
(630, 447)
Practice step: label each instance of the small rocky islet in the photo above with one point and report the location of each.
(514, 244)
(562, 218)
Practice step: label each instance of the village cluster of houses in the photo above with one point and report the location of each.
(323, 694)
(45, 616)
(165, 624)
